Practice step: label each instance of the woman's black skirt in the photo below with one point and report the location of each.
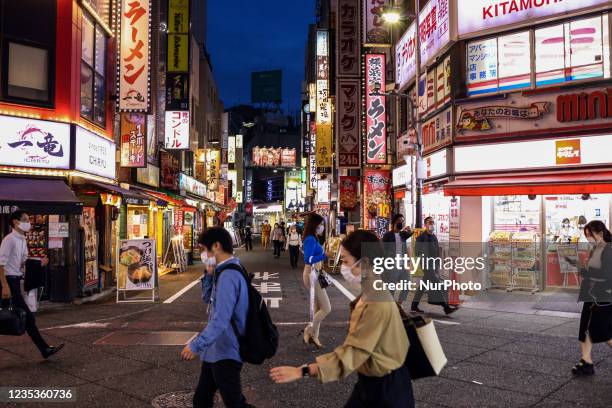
(597, 321)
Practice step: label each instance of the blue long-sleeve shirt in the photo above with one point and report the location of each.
(230, 301)
(313, 251)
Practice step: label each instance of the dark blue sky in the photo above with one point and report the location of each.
(246, 35)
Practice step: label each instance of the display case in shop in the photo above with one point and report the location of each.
(514, 259)
(36, 238)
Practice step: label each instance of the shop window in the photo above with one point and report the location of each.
(28, 72)
(93, 66)
(572, 51)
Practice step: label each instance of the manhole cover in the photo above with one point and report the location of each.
(178, 399)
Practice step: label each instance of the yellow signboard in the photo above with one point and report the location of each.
(178, 53)
(178, 16)
(324, 148)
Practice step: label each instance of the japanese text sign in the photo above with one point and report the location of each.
(177, 130)
(376, 111)
(34, 143)
(94, 154)
(377, 195)
(134, 56)
(324, 149)
(349, 44)
(434, 28)
(375, 30)
(323, 106)
(348, 121)
(137, 264)
(348, 192)
(405, 57)
(133, 140)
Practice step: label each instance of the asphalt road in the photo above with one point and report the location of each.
(114, 355)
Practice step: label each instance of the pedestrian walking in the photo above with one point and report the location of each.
(277, 240)
(428, 249)
(376, 345)
(265, 234)
(13, 256)
(294, 244)
(596, 293)
(248, 238)
(217, 345)
(395, 243)
(284, 237)
(313, 257)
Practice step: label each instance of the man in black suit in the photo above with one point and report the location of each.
(398, 235)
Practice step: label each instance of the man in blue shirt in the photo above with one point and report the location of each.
(217, 345)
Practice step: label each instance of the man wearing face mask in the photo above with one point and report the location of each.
(428, 249)
(13, 255)
(395, 243)
(217, 345)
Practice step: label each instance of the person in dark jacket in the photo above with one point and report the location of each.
(248, 238)
(596, 293)
(428, 249)
(398, 236)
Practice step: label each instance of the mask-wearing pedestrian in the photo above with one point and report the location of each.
(25, 226)
(348, 275)
(320, 229)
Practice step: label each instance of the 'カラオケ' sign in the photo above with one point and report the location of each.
(134, 56)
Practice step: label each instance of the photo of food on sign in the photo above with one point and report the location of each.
(136, 264)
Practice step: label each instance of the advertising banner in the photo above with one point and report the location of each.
(405, 57)
(273, 157)
(148, 175)
(213, 169)
(437, 164)
(375, 30)
(177, 130)
(177, 91)
(90, 245)
(323, 107)
(438, 130)
(402, 175)
(133, 140)
(434, 28)
(312, 171)
(192, 186)
(288, 157)
(137, 264)
(348, 121)
(348, 61)
(376, 111)
(377, 196)
(497, 15)
(348, 193)
(170, 168)
(134, 56)
(231, 149)
(152, 145)
(178, 36)
(94, 154)
(34, 143)
(324, 149)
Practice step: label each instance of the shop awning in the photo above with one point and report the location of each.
(133, 197)
(39, 196)
(173, 201)
(545, 184)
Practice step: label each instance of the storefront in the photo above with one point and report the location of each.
(273, 213)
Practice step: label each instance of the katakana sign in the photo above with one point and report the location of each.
(376, 111)
(177, 130)
(349, 46)
(375, 30)
(348, 121)
(134, 56)
(133, 140)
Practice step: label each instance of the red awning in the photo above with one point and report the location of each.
(545, 184)
(173, 201)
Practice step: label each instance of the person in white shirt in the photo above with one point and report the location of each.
(13, 255)
(294, 243)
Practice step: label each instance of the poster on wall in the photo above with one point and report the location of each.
(348, 192)
(348, 61)
(375, 30)
(134, 56)
(177, 130)
(376, 112)
(137, 264)
(377, 196)
(34, 143)
(324, 149)
(88, 223)
(348, 121)
(133, 140)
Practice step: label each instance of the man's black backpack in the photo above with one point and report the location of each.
(260, 341)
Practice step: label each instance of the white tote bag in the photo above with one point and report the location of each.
(425, 357)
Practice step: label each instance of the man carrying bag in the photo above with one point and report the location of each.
(13, 256)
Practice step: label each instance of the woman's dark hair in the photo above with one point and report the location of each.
(565, 220)
(395, 218)
(598, 227)
(310, 227)
(582, 220)
(16, 216)
(211, 235)
(352, 243)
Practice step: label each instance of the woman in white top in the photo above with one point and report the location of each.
(294, 243)
(277, 238)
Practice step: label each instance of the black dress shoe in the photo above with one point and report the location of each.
(49, 351)
(583, 369)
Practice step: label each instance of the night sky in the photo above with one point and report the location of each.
(246, 35)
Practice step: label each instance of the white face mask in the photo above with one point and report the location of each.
(320, 229)
(347, 273)
(430, 228)
(208, 260)
(25, 226)
(204, 257)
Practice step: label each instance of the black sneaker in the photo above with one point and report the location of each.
(583, 368)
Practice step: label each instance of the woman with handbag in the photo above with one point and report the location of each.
(596, 293)
(376, 344)
(313, 276)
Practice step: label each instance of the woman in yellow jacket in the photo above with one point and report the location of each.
(376, 344)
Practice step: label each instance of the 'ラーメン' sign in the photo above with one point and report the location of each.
(484, 15)
(376, 110)
(34, 143)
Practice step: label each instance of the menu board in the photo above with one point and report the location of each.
(36, 238)
(137, 264)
